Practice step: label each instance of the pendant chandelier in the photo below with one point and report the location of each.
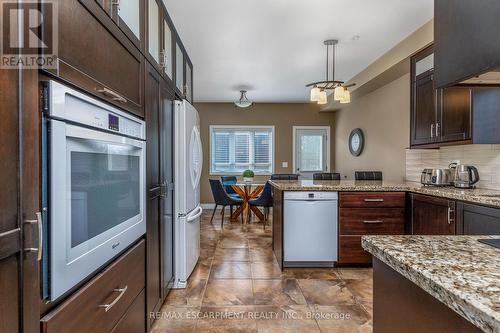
(243, 102)
(340, 90)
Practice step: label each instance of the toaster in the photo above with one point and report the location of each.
(437, 177)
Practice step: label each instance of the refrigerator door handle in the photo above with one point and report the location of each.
(195, 214)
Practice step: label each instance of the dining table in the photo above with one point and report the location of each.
(248, 191)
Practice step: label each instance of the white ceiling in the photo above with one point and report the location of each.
(274, 47)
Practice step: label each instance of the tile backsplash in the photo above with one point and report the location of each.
(486, 158)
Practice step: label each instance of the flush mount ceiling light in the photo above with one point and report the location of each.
(243, 102)
(319, 89)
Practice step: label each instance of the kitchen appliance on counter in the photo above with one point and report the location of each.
(93, 185)
(310, 229)
(437, 177)
(188, 163)
(465, 176)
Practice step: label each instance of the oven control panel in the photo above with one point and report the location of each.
(72, 105)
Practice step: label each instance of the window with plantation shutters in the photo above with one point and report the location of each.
(234, 149)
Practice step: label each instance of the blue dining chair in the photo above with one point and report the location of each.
(221, 198)
(227, 181)
(265, 200)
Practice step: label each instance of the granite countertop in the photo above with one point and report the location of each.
(480, 196)
(457, 270)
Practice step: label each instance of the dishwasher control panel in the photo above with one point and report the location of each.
(310, 195)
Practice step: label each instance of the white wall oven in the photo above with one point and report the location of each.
(94, 185)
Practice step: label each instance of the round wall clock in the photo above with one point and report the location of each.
(356, 142)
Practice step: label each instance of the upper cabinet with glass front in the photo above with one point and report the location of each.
(189, 81)
(128, 14)
(154, 33)
(179, 69)
(167, 49)
(164, 50)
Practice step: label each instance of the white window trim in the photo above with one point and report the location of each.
(327, 128)
(242, 127)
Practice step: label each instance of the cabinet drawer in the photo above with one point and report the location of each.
(371, 221)
(83, 311)
(134, 321)
(372, 199)
(351, 252)
(91, 58)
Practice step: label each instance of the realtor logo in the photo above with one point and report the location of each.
(29, 34)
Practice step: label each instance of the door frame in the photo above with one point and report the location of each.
(328, 146)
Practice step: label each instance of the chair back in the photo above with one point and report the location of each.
(265, 199)
(227, 181)
(368, 175)
(326, 176)
(219, 194)
(284, 176)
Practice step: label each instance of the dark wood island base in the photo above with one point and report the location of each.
(399, 305)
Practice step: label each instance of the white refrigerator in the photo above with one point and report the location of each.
(188, 164)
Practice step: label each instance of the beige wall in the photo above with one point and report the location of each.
(381, 108)
(282, 116)
(384, 117)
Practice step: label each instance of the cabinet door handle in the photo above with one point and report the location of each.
(163, 61)
(432, 131)
(39, 222)
(437, 130)
(374, 200)
(451, 217)
(373, 221)
(121, 292)
(114, 96)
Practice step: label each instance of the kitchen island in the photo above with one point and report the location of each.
(392, 208)
(435, 283)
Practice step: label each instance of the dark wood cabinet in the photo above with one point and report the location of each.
(103, 302)
(129, 16)
(433, 215)
(466, 39)
(367, 213)
(455, 114)
(278, 225)
(438, 116)
(134, 320)
(477, 220)
(423, 116)
(96, 60)
(103, 50)
(19, 201)
(159, 120)
(486, 108)
(153, 262)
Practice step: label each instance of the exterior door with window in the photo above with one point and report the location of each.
(311, 150)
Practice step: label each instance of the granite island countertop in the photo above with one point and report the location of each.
(479, 196)
(457, 270)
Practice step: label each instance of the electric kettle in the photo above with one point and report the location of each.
(465, 176)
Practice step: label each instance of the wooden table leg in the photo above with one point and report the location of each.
(257, 212)
(237, 213)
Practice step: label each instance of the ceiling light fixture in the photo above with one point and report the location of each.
(243, 102)
(340, 91)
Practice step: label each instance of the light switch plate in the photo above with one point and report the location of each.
(284, 164)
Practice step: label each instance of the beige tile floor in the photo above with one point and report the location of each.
(237, 286)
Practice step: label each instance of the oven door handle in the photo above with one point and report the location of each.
(85, 133)
(192, 217)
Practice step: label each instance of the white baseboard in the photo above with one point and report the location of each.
(208, 205)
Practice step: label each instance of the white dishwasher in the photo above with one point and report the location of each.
(310, 229)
